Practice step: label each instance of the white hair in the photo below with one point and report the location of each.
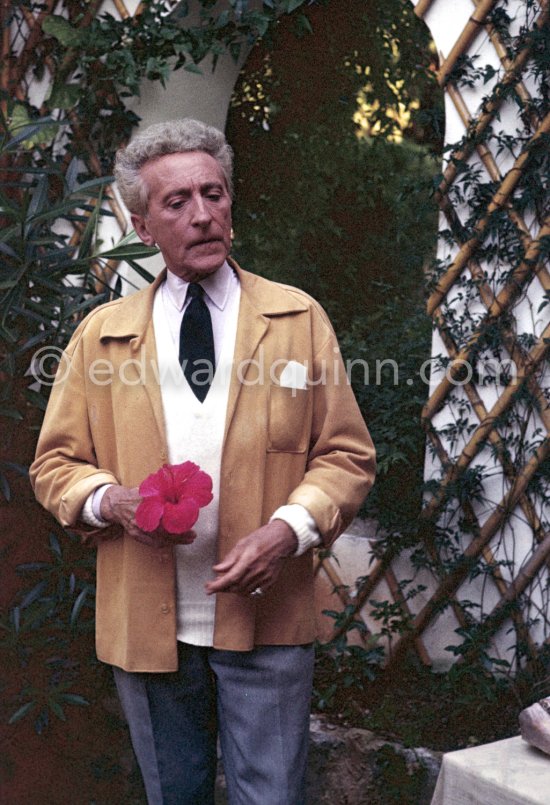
(171, 137)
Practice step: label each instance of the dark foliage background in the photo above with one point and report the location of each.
(352, 221)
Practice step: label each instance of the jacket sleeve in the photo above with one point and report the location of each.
(65, 469)
(341, 459)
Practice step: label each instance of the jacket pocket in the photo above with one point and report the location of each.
(288, 426)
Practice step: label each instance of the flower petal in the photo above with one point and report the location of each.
(148, 513)
(182, 473)
(180, 517)
(199, 487)
(158, 483)
(184, 469)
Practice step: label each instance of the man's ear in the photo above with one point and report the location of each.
(142, 230)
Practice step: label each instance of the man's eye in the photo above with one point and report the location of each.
(214, 196)
(175, 205)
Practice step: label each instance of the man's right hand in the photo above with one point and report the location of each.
(119, 504)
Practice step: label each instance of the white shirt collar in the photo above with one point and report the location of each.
(215, 285)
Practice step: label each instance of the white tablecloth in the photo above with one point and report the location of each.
(508, 772)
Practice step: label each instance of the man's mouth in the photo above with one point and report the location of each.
(206, 242)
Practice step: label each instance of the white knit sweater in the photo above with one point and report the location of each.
(194, 432)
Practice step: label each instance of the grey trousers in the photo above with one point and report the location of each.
(258, 701)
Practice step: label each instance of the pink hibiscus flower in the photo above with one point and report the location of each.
(172, 497)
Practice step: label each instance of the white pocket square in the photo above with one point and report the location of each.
(294, 376)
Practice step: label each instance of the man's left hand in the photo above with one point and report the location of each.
(255, 561)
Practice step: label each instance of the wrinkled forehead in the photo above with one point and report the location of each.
(182, 171)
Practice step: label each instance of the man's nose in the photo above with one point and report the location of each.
(200, 214)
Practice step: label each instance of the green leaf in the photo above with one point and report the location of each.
(62, 30)
(5, 487)
(5, 249)
(13, 282)
(131, 237)
(34, 594)
(19, 714)
(26, 566)
(74, 698)
(223, 19)
(71, 174)
(130, 250)
(303, 25)
(29, 132)
(64, 209)
(89, 232)
(193, 68)
(39, 198)
(258, 21)
(10, 412)
(56, 708)
(55, 547)
(140, 271)
(64, 96)
(36, 399)
(92, 184)
(16, 613)
(291, 5)
(235, 51)
(78, 604)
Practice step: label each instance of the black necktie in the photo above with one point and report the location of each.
(197, 356)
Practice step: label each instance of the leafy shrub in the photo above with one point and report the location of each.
(39, 632)
(51, 256)
(51, 262)
(352, 223)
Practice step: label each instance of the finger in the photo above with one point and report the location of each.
(145, 539)
(236, 573)
(152, 539)
(220, 585)
(237, 557)
(243, 588)
(226, 564)
(184, 539)
(233, 582)
(263, 581)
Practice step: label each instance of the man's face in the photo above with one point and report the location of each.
(189, 213)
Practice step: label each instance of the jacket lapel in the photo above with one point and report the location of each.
(251, 329)
(260, 301)
(132, 321)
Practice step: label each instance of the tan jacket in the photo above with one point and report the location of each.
(104, 424)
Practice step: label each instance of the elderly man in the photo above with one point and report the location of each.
(209, 632)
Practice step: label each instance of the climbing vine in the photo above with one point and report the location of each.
(487, 502)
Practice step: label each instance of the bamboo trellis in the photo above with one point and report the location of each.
(21, 39)
(446, 583)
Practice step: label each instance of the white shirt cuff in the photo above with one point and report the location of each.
(302, 523)
(91, 511)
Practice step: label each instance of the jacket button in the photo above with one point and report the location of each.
(165, 609)
(163, 558)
